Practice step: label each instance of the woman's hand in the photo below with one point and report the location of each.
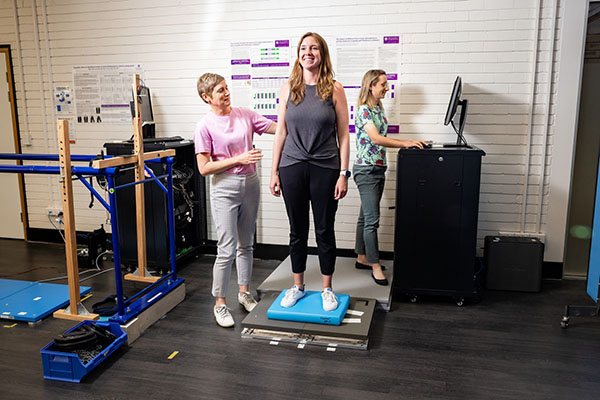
(250, 157)
(341, 188)
(275, 185)
(414, 143)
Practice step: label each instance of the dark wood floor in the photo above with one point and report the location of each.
(509, 346)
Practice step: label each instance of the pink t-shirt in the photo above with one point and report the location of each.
(225, 136)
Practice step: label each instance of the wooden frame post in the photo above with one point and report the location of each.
(75, 306)
(138, 149)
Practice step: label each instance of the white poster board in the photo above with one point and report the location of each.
(258, 69)
(102, 93)
(357, 55)
(65, 108)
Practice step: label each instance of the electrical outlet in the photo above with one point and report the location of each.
(26, 139)
(55, 211)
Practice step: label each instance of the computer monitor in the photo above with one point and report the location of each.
(146, 104)
(146, 114)
(453, 104)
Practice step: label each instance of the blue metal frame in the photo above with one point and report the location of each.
(45, 157)
(50, 170)
(146, 297)
(129, 309)
(93, 191)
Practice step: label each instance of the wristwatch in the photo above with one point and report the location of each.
(346, 173)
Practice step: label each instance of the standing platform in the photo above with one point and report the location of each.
(32, 301)
(352, 333)
(346, 279)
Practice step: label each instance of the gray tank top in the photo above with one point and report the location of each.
(311, 132)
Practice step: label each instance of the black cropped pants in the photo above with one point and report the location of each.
(304, 185)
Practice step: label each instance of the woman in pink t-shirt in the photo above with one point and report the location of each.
(223, 140)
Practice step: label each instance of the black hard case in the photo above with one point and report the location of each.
(514, 263)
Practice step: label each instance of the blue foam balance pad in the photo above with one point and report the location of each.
(310, 309)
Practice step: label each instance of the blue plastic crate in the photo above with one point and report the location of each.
(68, 367)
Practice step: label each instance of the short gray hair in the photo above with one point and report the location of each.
(207, 82)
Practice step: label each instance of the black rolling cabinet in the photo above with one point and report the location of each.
(189, 201)
(437, 204)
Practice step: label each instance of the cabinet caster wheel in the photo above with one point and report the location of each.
(564, 323)
(460, 301)
(413, 299)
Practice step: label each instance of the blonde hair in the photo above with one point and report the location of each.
(365, 96)
(325, 81)
(207, 82)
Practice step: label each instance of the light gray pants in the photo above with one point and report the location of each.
(234, 205)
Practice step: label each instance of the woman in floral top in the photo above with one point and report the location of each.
(370, 166)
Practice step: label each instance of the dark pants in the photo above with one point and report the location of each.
(303, 184)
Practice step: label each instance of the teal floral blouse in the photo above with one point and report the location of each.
(368, 153)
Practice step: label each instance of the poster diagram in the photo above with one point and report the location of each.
(63, 100)
(357, 55)
(258, 69)
(65, 108)
(103, 92)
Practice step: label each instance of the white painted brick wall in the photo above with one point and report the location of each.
(488, 42)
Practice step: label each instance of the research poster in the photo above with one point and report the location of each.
(357, 55)
(259, 68)
(102, 93)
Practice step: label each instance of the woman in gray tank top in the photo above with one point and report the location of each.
(310, 161)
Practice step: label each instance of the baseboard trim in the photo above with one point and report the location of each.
(51, 235)
(550, 270)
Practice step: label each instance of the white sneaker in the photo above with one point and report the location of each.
(330, 302)
(223, 316)
(246, 300)
(292, 295)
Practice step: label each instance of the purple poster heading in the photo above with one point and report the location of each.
(241, 61)
(283, 64)
(393, 129)
(391, 39)
(240, 77)
(282, 43)
(391, 77)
